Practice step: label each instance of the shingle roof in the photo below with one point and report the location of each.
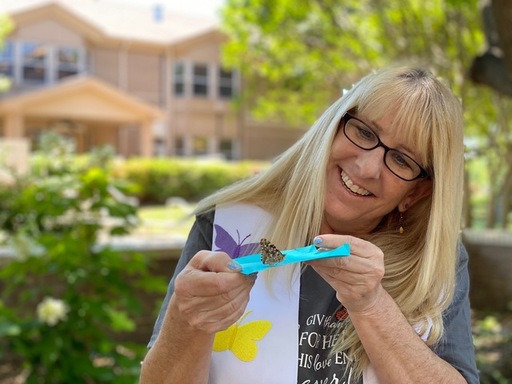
(124, 21)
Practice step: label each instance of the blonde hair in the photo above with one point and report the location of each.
(420, 263)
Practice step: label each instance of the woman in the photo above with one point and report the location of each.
(381, 170)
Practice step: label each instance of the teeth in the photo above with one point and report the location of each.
(353, 187)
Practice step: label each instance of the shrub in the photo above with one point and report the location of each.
(492, 334)
(160, 179)
(65, 295)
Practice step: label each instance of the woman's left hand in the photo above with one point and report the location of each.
(355, 278)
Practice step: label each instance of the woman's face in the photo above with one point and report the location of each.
(360, 189)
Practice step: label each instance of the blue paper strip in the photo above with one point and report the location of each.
(252, 263)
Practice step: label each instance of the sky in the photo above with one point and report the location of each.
(190, 7)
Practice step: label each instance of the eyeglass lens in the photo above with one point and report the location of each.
(397, 162)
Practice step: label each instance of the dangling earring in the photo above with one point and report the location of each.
(401, 223)
(401, 219)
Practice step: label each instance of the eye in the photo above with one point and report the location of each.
(401, 160)
(363, 132)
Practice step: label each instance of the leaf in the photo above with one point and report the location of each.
(119, 320)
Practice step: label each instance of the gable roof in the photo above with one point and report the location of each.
(82, 97)
(118, 20)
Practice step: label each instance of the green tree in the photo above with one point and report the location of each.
(296, 57)
(6, 26)
(308, 51)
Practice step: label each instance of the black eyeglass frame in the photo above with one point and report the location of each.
(423, 173)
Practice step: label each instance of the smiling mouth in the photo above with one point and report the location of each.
(355, 189)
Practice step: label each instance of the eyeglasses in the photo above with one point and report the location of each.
(362, 136)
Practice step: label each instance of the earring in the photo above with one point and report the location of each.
(401, 219)
(401, 223)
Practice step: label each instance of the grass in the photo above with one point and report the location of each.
(173, 219)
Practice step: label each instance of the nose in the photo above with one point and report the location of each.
(371, 163)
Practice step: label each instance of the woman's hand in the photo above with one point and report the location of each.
(209, 293)
(355, 278)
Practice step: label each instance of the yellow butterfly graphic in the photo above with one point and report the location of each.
(241, 339)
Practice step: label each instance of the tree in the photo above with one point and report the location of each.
(5, 28)
(493, 68)
(307, 52)
(297, 57)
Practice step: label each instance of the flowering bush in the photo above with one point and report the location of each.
(66, 294)
(51, 311)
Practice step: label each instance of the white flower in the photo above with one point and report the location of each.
(25, 246)
(70, 193)
(51, 311)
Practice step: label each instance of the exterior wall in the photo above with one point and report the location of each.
(138, 73)
(48, 31)
(197, 118)
(193, 124)
(265, 142)
(144, 77)
(104, 63)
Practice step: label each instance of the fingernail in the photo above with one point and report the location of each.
(253, 276)
(317, 241)
(234, 266)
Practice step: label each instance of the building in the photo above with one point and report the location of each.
(146, 81)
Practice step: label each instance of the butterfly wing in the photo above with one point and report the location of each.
(224, 242)
(248, 249)
(244, 344)
(270, 254)
(224, 339)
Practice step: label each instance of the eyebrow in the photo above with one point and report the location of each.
(378, 129)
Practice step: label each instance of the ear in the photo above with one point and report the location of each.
(422, 189)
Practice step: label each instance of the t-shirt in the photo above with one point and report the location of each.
(320, 316)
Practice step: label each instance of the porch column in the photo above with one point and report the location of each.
(14, 125)
(146, 138)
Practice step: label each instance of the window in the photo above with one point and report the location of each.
(68, 61)
(179, 79)
(200, 80)
(34, 62)
(179, 146)
(199, 145)
(226, 84)
(7, 59)
(226, 149)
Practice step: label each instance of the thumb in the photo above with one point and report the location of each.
(214, 262)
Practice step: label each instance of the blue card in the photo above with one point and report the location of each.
(252, 263)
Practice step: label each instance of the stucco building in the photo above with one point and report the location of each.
(146, 81)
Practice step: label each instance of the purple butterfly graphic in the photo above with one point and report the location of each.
(225, 243)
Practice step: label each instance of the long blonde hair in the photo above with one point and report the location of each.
(420, 263)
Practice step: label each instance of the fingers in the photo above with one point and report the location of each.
(210, 274)
(355, 278)
(364, 256)
(210, 293)
(213, 262)
(359, 247)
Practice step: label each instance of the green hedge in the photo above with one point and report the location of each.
(161, 178)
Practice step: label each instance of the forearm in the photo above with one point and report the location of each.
(180, 354)
(396, 352)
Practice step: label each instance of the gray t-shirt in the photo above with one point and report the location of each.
(318, 302)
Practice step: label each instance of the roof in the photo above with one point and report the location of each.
(83, 97)
(122, 20)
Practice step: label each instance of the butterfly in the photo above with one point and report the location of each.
(269, 253)
(241, 339)
(225, 242)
